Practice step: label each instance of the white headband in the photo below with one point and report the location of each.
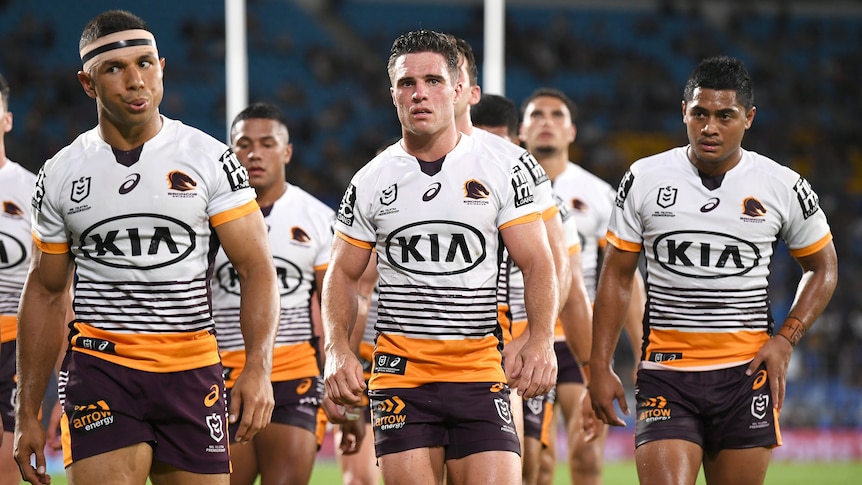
(130, 41)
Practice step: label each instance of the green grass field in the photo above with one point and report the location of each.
(623, 473)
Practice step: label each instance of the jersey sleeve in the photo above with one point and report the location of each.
(352, 218)
(518, 199)
(231, 196)
(806, 230)
(603, 215)
(321, 260)
(49, 231)
(625, 228)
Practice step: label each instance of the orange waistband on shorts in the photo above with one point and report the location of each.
(289, 362)
(8, 328)
(157, 352)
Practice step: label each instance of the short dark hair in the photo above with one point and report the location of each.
(425, 41)
(465, 50)
(110, 22)
(266, 111)
(495, 110)
(4, 92)
(552, 93)
(721, 73)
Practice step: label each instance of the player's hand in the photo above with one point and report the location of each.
(54, 439)
(252, 397)
(352, 434)
(510, 352)
(589, 422)
(341, 414)
(775, 353)
(534, 368)
(605, 387)
(30, 443)
(345, 383)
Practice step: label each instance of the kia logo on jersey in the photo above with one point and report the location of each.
(705, 254)
(138, 241)
(288, 276)
(12, 251)
(436, 248)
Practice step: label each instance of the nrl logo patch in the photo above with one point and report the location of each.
(80, 189)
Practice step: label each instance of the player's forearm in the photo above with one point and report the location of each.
(259, 317)
(562, 263)
(541, 296)
(609, 315)
(339, 310)
(576, 317)
(41, 323)
(634, 316)
(818, 282)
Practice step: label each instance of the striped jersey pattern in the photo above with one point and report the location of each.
(708, 252)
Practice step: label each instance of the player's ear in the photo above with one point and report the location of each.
(87, 83)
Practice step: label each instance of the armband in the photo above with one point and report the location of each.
(793, 330)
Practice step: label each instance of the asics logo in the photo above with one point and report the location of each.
(212, 397)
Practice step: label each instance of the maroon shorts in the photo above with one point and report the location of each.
(296, 403)
(8, 385)
(463, 417)
(718, 409)
(182, 415)
(568, 371)
(539, 415)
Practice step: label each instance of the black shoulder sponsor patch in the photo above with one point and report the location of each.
(808, 200)
(523, 191)
(345, 209)
(623, 190)
(536, 170)
(237, 176)
(39, 191)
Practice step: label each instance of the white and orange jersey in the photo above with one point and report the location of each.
(16, 189)
(517, 306)
(548, 204)
(435, 227)
(300, 237)
(708, 252)
(591, 200)
(140, 231)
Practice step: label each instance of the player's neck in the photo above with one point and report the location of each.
(432, 146)
(269, 195)
(464, 123)
(553, 163)
(129, 137)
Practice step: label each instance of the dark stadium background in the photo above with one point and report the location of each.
(623, 61)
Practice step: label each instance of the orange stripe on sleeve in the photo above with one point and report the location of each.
(235, 213)
(623, 245)
(575, 249)
(49, 247)
(355, 242)
(550, 212)
(809, 250)
(522, 220)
